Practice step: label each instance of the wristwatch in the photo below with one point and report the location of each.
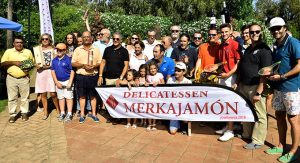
(282, 77)
(257, 94)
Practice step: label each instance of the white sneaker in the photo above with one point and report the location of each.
(128, 125)
(227, 136)
(222, 131)
(40, 109)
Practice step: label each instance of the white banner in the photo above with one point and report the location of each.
(173, 102)
(45, 18)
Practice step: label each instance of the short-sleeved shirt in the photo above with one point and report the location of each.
(155, 78)
(167, 67)
(115, 59)
(173, 80)
(14, 55)
(252, 61)
(62, 67)
(81, 55)
(135, 62)
(148, 51)
(229, 51)
(288, 52)
(208, 54)
(179, 54)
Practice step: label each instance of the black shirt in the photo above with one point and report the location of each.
(178, 54)
(252, 61)
(115, 61)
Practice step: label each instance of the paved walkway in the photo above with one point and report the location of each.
(51, 141)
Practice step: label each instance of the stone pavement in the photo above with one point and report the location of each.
(51, 141)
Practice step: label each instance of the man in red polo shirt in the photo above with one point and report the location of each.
(228, 52)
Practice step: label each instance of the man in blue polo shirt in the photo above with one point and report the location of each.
(166, 64)
(286, 99)
(63, 76)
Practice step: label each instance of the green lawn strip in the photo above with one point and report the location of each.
(3, 104)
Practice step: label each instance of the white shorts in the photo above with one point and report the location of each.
(287, 101)
(228, 81)
(64, 93)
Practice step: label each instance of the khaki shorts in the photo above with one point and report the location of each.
(64, 93)
(287, 101)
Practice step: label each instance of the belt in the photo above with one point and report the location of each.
(18, 77)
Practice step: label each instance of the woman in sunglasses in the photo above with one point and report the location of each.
(130, 43)
(44, 54)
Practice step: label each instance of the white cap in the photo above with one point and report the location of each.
(180, 65)
(277, 21)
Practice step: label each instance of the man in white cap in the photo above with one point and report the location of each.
(178, 78)
(286, 99)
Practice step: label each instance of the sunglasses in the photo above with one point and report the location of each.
(100, 34)
(175, 31)
(276, 28)
(210, 35)
(135, 38)
(60, 50)
(197, 38)
(45, 39)
(116, 39)
(256, 32)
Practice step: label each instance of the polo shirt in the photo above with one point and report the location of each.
(179, 54)
(168, 52)
(80, 55)
(14, 55)
(167, 67)
(62, 67)
(252, 61)
(115, 59)
(229, 51)
(288, 52)
(148, 51)
(101, 46)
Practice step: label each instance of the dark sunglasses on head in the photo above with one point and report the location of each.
(256, 32)
(100, 34)
(117, 39)
(134, 38)
(275, 28)
(197, 38)
(45, 39)
(175, 31)
(209, 35)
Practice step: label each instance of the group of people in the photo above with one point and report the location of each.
(85, 61)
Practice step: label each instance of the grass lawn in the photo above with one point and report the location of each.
(3, 104)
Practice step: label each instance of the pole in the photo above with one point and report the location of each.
(29, 37)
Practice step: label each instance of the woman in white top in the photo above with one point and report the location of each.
(44, 54)
(130, 43)
(137, 58)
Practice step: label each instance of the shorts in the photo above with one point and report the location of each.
(228, 81)
(174, 125)
(287, 101)
(64, 93)
(85, 85)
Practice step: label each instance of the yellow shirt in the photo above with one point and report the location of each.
(14, 55)
(80, 55)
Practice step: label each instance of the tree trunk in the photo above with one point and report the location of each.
(9, 34)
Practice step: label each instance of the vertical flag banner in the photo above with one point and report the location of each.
(45, 18)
